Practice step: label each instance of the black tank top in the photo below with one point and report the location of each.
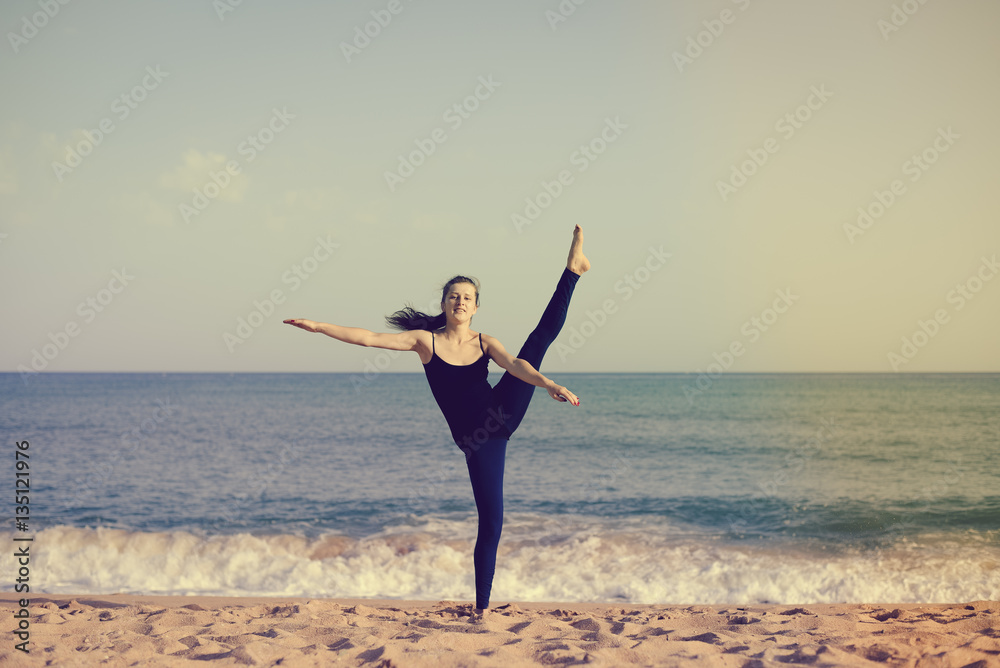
(465, 396)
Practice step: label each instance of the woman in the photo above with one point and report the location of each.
(481, 418)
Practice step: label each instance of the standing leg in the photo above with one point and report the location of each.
(486, 473)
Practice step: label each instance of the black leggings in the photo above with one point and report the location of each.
(512, 395)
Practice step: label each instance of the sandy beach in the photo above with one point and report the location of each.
(130, 630)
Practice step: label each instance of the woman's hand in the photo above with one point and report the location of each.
(560, 393)
(302, 323)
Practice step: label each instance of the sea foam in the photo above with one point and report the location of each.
(434, 562)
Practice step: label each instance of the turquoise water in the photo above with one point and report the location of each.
(755, 487)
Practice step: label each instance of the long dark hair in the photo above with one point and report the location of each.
(408, 318)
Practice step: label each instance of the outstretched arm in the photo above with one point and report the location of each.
(526, 372)
(357, 335)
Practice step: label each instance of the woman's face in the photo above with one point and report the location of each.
(460, 302)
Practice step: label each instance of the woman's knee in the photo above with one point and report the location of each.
(491, 518)
(490, 528)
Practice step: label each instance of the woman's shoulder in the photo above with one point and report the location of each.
(488, 343)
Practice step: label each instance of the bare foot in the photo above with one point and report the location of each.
(577, 262)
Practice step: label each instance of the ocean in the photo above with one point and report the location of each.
(659, 488)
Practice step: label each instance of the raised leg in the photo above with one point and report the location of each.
(511, 393)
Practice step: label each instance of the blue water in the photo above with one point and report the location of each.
(790, 488)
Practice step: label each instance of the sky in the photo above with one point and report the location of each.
(779, 186)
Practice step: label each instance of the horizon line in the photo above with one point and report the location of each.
(673, 373)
